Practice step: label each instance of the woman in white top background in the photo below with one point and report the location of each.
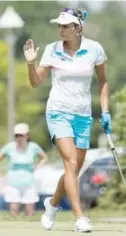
(21, 154)
(72, 62)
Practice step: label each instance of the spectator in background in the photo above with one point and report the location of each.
(21, 155)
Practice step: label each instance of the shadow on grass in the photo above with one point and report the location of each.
(95, 230)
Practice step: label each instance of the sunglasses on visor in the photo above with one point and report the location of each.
(70, 11)
(76, 13)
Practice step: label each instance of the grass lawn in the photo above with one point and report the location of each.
(64, 225)
(61, 228)
(65, 216)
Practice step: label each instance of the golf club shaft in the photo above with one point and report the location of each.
(115, 156)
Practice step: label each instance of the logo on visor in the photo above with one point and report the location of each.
(63, 15)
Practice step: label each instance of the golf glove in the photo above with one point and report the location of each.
(105, 121)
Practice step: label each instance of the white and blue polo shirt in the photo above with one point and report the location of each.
(72, 76)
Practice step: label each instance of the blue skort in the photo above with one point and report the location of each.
(63, 125)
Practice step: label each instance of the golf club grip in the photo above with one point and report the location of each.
(110, 142)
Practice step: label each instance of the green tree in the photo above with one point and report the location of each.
(119, 122)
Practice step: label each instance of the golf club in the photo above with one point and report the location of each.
(115, 156)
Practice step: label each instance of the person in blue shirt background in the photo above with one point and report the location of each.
(21, 155)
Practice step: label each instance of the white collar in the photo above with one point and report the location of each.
(83, 46)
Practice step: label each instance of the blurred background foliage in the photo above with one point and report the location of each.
(106, 26)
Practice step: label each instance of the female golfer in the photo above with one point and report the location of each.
(21, 155)
(72, 62)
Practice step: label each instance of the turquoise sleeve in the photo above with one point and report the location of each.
(37, 149)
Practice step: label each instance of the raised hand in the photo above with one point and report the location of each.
(30, 52)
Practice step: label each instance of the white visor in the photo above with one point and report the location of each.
(65, 18)
(21, 128)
